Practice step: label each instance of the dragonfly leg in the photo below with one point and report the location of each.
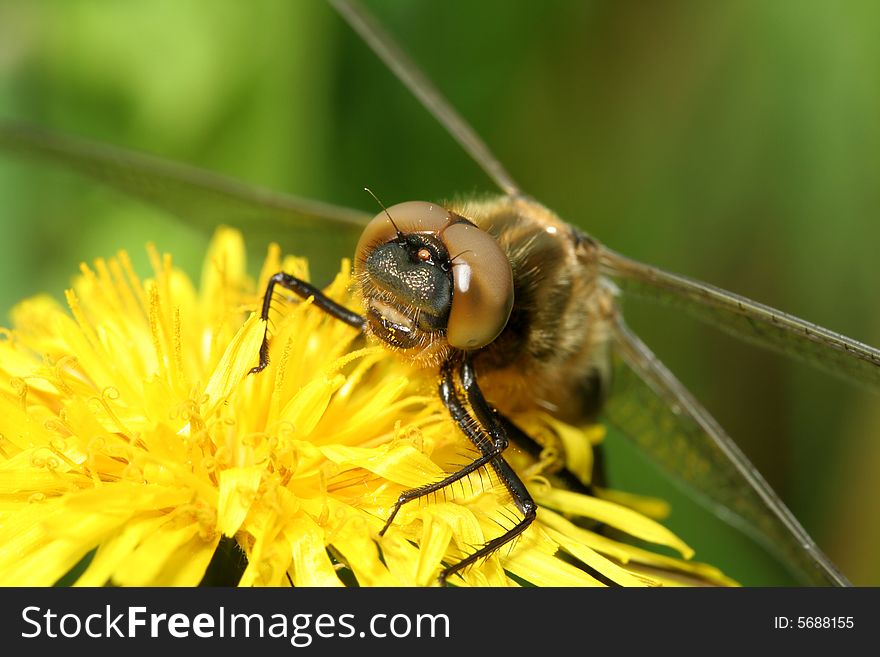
(565, 477)
(305, 290)
(488, 435)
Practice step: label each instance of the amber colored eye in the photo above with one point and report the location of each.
(483, 281)
(409, 217)
(483, 296)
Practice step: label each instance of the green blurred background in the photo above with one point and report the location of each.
(736, 142)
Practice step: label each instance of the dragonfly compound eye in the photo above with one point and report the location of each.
(483, 294)
(398, 220)
(397, 246)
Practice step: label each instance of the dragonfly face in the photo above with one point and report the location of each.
(641, 200)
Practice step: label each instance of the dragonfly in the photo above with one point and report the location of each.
(646, 402)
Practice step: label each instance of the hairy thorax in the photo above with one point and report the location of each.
(553, 353)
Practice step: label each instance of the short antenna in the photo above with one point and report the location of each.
(388, 214)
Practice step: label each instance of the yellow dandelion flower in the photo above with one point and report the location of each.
(134, 442)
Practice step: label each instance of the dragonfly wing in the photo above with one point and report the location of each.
(197, 196)
(749, 320)
(652, 408)
(385, 47)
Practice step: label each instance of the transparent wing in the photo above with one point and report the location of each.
(198, 196)
(650, 406)
(424, 90)
(749, 320)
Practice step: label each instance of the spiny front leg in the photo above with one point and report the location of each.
(488, 435)
(304, 290)
(477, 436)
(490, 420)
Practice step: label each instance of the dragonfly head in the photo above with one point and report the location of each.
(431, 280)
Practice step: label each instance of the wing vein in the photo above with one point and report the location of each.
(381, 43)
(749, 320)
(177, 187)
(685, 439)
